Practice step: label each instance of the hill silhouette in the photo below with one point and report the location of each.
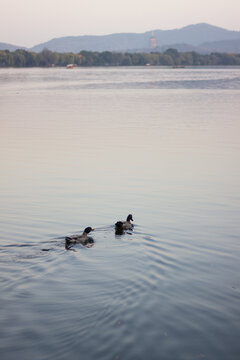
(203, 38)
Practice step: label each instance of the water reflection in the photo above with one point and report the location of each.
(84, 147)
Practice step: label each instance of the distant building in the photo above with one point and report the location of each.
(152, 42)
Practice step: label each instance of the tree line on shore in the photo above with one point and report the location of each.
(171, 57)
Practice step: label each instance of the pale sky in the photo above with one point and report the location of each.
(30, 22)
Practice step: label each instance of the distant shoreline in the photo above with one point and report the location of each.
(171, 58)
(126, 66)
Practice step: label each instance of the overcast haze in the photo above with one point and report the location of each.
(29, 22)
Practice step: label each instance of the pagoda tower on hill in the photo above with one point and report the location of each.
(152, 42)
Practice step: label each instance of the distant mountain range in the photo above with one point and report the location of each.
(5, 46)
(202, 38)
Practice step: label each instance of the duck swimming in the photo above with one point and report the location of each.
(82, 239)
(124, 225)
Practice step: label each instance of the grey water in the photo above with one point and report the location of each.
(87, 147)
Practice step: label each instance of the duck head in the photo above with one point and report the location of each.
(88, 230)
(129, 217)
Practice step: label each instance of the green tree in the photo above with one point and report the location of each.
(126, 61)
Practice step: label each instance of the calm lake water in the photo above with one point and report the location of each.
(86, 147)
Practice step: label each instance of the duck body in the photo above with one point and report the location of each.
(83, 238)
(127, 225)
(120, 226)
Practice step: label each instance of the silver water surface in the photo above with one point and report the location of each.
(85, 147)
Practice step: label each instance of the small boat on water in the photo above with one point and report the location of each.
(71, 66)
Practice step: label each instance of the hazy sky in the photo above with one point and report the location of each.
(29, 22)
